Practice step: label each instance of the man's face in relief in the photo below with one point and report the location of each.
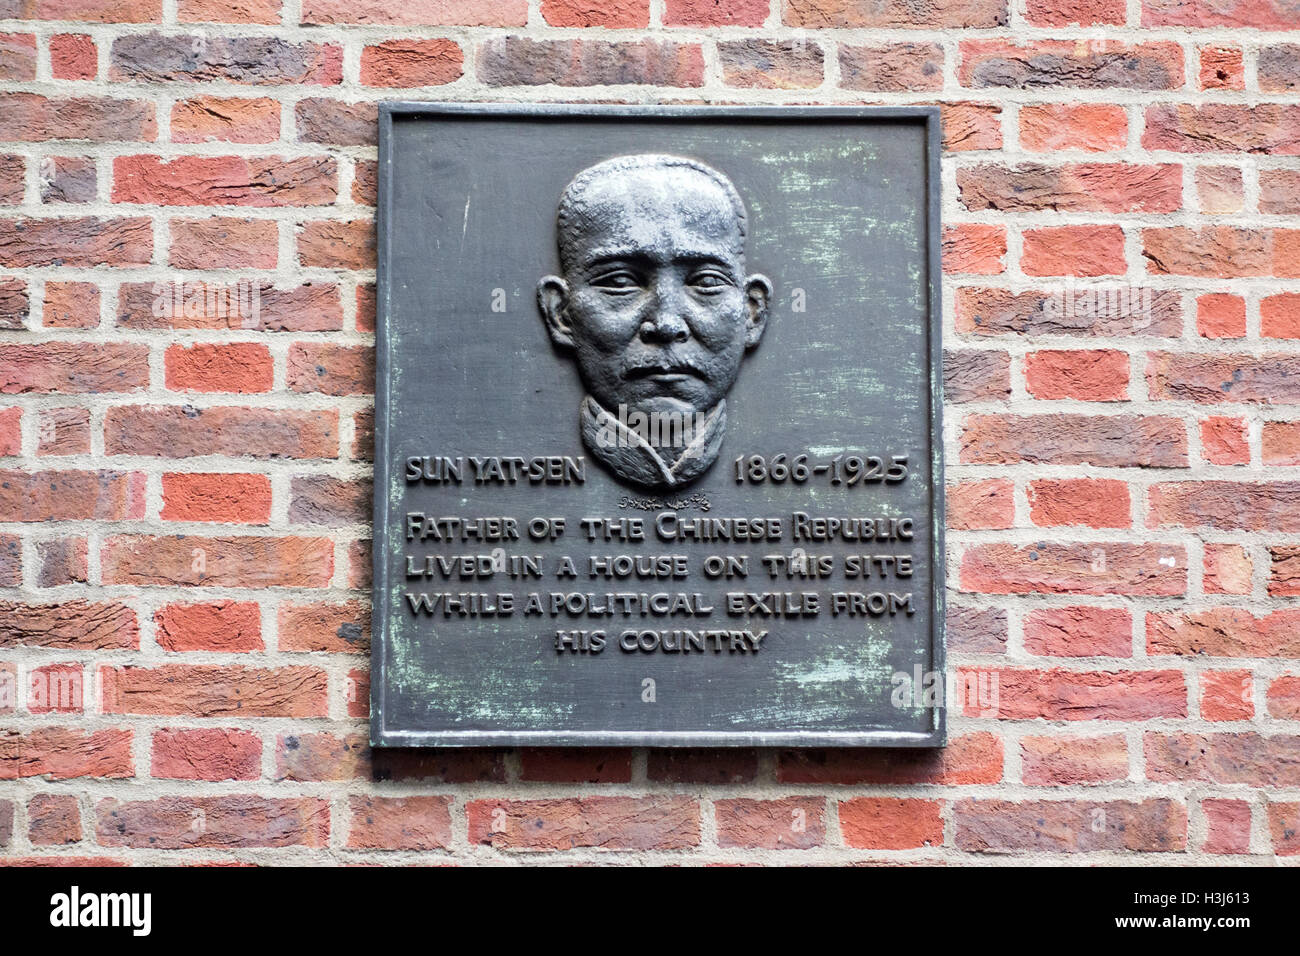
(654, 299)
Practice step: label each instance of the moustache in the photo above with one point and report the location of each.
(665, 364)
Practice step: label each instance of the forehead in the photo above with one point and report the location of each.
(657, 211)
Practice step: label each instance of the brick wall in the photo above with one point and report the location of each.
(184, 494)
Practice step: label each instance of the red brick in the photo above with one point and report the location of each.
(400, 823)
(218, 367)
(1091, 502)
(103, 11)
(1224, 632)
(332, 502)
(337, 628)
(1219, 189)
(63, 431)
(1092, 127)
(522, 61)
(1227, 824)
(411, 63)
(771, 64)
(1079, 187)
(1221, 316)
(1284, 697)
(18, 57)
(53, 819)
(334, 244)
(1284, 828)
(226, 822)
(1120, 441)
(13, 172)
(1224, 441)
(188, 58)
(225, 180)
(972, 375)
(1083, 695)
(73, 367)
(1224, 758)
(1214, 377)
(1223, 128)
(56, 689)
(365, 192)
(223, 243)
(1090, 375)
(1226, 505)
(1227, 695)
(711, 13)
(318, 757)
(790, 823)
(567, 765)
(980, 505)
(224, 11)
(1065, 64)
(1277, 68)
(1100, 568)
(1284, 571)
(893, 68)
(720, 766)
(229, 626)
(974, 249)
(338, 124)
(359, 565)
(1228, 569)
(610, 823)
(71, 305)
(6, 823)
(970, 126)
(208, 753)
(818, 14)
(1280, 443)
(363, 435)
(61, 561)
(11, 432)
(75, 624)
(73, 56)
(1073, 251)
(1118, 309)
(1064, 13)
(1279, 316)
(226, 119)
(976, 630)
(1221, 68)
(32, 118)
(81, 243)
(14, 304)
(331, 369)
(65, 753)
(172, 431)
(1067, 761)
(469, 13)
(1070, 826)
(310, 307)
(71, 495)
(236, 562)
(210, 690)
(969, 759)
(1279, 191)
(1219, 13)
(890, 823)
(71, 179)
(357, 692)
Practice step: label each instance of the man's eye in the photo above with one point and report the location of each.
(709, 281)
(620, 281)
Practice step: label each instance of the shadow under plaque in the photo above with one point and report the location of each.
(658, 456)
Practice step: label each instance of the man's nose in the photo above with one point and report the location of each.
(666, 320)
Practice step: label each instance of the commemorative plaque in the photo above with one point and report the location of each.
(658, 454)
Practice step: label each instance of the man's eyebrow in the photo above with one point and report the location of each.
(599, 257)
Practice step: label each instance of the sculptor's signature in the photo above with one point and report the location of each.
(697, 500)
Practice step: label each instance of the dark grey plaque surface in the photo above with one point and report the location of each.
(842, 220)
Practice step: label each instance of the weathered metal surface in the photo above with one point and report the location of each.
(658, 455)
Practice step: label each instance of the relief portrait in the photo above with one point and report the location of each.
(655, 307)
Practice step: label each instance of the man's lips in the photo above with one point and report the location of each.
(666, 371)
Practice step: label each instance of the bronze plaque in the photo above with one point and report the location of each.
(658, 454)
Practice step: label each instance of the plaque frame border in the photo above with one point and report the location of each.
(929, 116)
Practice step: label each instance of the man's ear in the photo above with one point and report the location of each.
(758, 293)
(553, 302)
